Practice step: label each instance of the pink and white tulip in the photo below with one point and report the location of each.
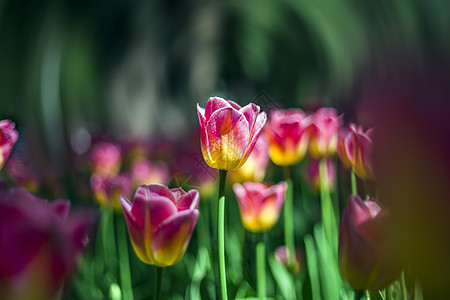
(8, 137)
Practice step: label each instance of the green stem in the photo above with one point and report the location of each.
(289, 238)
(403, 286)
(389, 293)
(261, 267)
(328, 216)
(124, 260)
(354, 183)
(367, 295)
(221, 235)
(158, 280)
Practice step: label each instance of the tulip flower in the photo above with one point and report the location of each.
(288, 137)
(39, 244)
(324, 132)
(160, 222)
(8, 137)
(259, 204)
(106, 158)
(228, 132)
(145, 172)
(22, 173)
(255, 167)
(358, 146)
(108, 189)
(367, 259)
(342, 153)
(282, 255)
(313, 173)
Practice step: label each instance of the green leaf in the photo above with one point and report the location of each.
(283, 278)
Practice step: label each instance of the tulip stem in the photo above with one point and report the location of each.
(354, 183)
(261, 267)
(403, 286)
(289, 238)
(124, 260)
(158, 280)
(221, 235)
(328, 216)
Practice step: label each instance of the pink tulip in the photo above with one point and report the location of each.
(255, 167)
(228, 132)
(342, 153)
(39, 244)
(282, 255)
(324, 130)
(106, 158)
(259, 204)
(160, 222)
(8, 137)
(358, 146)
(108, 189)
(313, 173)
(145, 172)
(288, 137)
(367, 259)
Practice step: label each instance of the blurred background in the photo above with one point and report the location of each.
(137, 68)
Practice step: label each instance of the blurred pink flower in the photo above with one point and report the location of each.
(255, 167)
(342, 153)
(282, 255)
(367, 258)
(160, 222)
(8, 137)
(22, 173)
(259, 204)
(324, 132)
(144, 171)
(39, 244)
(228, 132)
(107, 190)
(359, 148)
(288, 137)
(106, 158)
(313, 173)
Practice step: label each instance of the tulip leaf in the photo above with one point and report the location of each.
(312, 264)
(283, 278)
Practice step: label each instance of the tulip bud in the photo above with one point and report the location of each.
(367, 257)
(255, 167)
(160, 222)
(358, 146)
(324, 130)
(313, 173)
(259, 204)
(228, 132)
(106, 158)
(107, 190)
(8, 137)
(145, 172)
(282, 255)
(288, 137)
(39, 244)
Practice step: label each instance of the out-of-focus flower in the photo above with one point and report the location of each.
(39, 244)
(288, 137)
(367, 257)
(282, 255)
(359, 146)
(259, 204)
(313, 173)
(8, 137)
(228, 132)
(22, 174)
(107, 190)
(106, 158)
(145, 172)
(160, 222)
(255, 167)
(324, 132)
(342, 153)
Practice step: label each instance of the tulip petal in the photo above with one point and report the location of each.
(189, 200)
(203, 135)
(172, 237)
(228, 137)
(177, 194)
(214, 104)
(254, 135)
(157, 189)
(250, 111)
(61, 208)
